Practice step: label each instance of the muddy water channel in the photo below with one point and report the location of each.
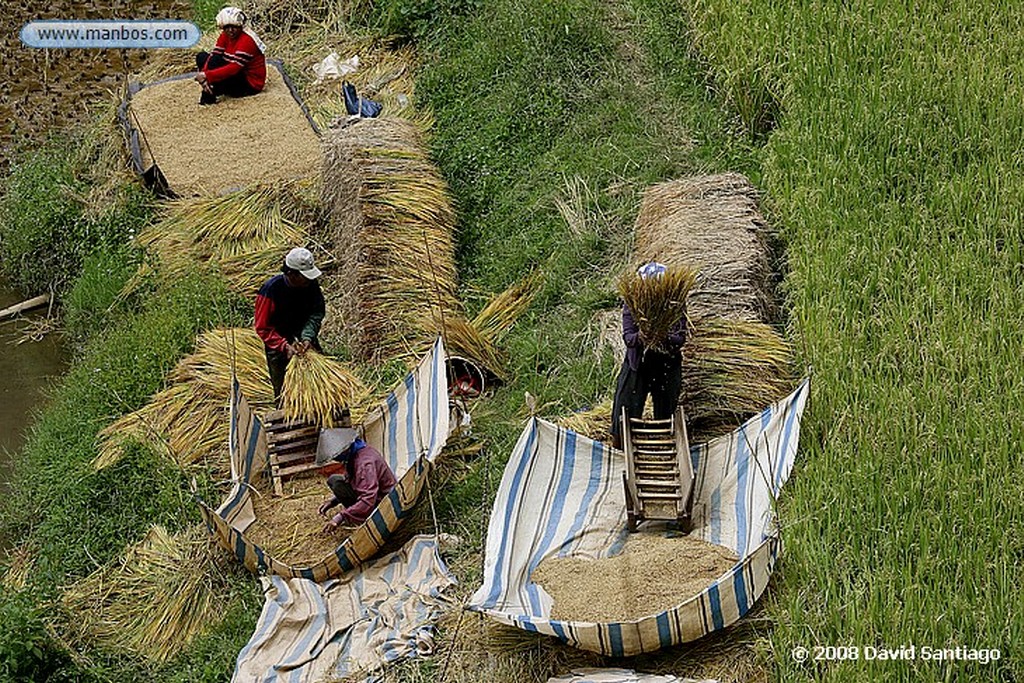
(27, 369)
(45, 89)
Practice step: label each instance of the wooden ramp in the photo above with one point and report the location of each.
(659, 476)
(291, 446)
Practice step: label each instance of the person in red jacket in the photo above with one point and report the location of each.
(356, 474)
(236, 67)
(289, 310)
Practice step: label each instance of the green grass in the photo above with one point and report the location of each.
(895, 173)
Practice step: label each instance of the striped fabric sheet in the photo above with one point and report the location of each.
(409, 428)
(561, 494)
(311, 631)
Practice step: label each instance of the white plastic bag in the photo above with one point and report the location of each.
(333, 67)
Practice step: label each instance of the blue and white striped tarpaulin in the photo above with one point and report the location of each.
(409, 428)
(562, 495)
(311, 631)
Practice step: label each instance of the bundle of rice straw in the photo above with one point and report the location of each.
(392, 224)
(712, 223)
(732, 369)
(502, 312)
(22, 559)
(593, 423)
(245, 234)
(657, 303)
(154, 600)
(317, 387)
(461, 338)
(188, 420)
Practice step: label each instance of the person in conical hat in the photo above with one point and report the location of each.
(357, 475)
(236, 67)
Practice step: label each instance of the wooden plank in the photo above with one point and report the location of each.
(301, 433)
(27, 305)
(308, 444)
(282, 458)
(659, 496)
(295, 469)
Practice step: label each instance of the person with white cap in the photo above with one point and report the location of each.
(236, 67)
(357, 475)
(289, 310)
(657, 372)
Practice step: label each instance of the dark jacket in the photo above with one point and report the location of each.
(286, 314)
(635, 347)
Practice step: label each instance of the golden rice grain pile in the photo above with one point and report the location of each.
(316, 387)
(154, 600)
(391, 223)
(653, 573)
(657, 303)
(289, 528)
(236, 143)
(712, 224)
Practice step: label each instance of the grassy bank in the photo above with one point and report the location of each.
(895, 171)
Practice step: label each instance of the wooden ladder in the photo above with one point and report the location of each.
(291, 446)
(659, 477)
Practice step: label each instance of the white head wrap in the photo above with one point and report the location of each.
(652, 269)
(230, 16)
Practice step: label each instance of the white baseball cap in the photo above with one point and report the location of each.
(301, 259)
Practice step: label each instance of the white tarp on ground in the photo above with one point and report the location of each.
(561, 495)
(312, 631)
(620, 676)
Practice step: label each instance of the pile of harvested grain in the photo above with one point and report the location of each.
(239, 142)
(652, 574)
(712, 224)
(391, 224)
(289, 528)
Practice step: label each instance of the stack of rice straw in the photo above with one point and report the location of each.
(392, 224)
(154, 600)
(188, 421)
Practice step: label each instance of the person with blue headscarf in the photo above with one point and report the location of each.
(654, 369)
